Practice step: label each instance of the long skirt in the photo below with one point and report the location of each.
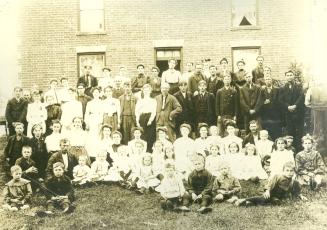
(111, 120)
(149, 132)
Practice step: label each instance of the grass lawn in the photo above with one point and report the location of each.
(111, 207)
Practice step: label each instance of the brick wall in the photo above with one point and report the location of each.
(49, 34)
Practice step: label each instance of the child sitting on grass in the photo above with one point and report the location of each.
(81, 172)
(225, 186)
(280, 156)
(29, 170)
(310, 166)
(59, 190)
(145, 176)
(279, 187)
(17, 192)
(171, 188)
(212, 161)
(99, 168)
(198, 187)
(264, 145)
(251, 165)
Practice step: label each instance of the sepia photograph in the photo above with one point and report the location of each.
(163, 114)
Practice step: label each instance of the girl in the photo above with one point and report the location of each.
(53, 140)
(99, 168)
(94, 114)
(251, 165)
(213, 160)
(70, 109)
(310, 166)
(36, 113)
(214, 137)
(77, 137)
(201, 143)
(81, 172)
(184, 145)
(279, 157)
(158, 156)
(163, 137)
(145, 112)
(121, 167)
(264, 145)
(231, 137)
(234, 158)
(103, 142)
(112, 109)
(137, 133)
(39, 149)
(145, 176)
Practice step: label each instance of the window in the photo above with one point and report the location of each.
(162, 56)
(248, 54)
(244, 13)
(91, 16)
(96, 60)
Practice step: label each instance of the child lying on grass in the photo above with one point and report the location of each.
(280, 187)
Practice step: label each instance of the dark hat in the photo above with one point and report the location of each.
(140, 65)
(107, 68)
(200, 125)
(137, 128)
(223, 59)
(162, 128)
(186, 126)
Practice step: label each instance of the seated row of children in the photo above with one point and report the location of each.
(133, 167)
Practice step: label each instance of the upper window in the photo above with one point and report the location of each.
(244, 13)
(91, 16)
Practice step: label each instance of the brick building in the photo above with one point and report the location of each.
(56, 37)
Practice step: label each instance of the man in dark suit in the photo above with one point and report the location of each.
(253, 136)
(16, 110)
(193, 81)
(257, 72)
(291, 99)
(185, 100)
(167, 109)
(226, 104)
(88, 80)
(214, 82)
(250, 102)
(270, 113)
(141, 79)
(204, 106)
(64, 157)
(127, 112)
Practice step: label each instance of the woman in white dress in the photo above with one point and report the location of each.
(36, 114)
(94, 114)
(111, 109)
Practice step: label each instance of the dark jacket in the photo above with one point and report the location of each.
(57, 157)
(210, 100)
(59, 186)
(199, 182)
(193, 81)
(171, 109)
(293, 96)
(93, 83)
(271, 110)
(16, 110)
(9, 149)
(250, 98)
(226, 102)
(187, 114)
(214, 85)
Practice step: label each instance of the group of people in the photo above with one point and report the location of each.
(191, 137)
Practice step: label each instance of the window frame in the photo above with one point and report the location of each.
(79, 72)
(80, 32)
(255, 47)
(180, 48)
(251, 27)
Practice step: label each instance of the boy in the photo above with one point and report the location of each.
(226, 103)
(29, 171)
(198, 187)
(17, 192)
(60, 192)
(310, 166)
(171, 188)
(15, 144)
(225, 186)
(279, 187)
(204, 106)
